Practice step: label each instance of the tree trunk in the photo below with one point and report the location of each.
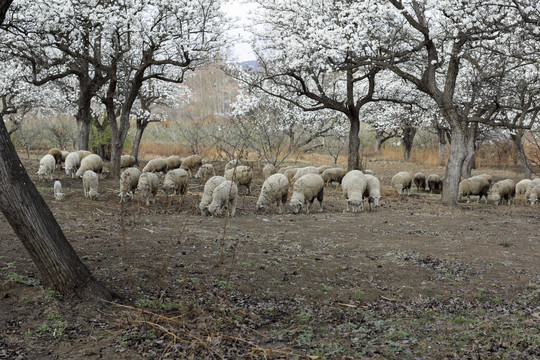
(83, 133)
(83, 115)
(458, 151)
(354, 144)
(408, 138)
(471, 151)
(442, 145)
(141, 126)
(527, 166)
(31, 219)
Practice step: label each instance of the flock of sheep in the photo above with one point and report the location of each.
(221, 192)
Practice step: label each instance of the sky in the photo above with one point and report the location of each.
(239, 10)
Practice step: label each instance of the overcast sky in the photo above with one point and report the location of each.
(239, 11)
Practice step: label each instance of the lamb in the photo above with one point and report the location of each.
(373, 191)
(435, 183)
(58, 194)
(419, 181)
(322, 168)
(521, 188)
(90, 184)
(82, 154)
(333, 175)
(402, 182)
(354, 186)
(289, 173)
(129, 180)
(232, 164)
(57, 154)
(155, 165)
(268, 170)
(225, 193)
(148, 185)
(72, 164)
(303, 171)
(176, 181)
(46, 167)
(535, 193)
(127, 161)
(173, 162)
(503, 190)
(274, 189)
(206, 171)
(91, 162)
(305, 190)
(206, 198)
(531, 186)
(241, 175)
(476, 185)
(191, 163)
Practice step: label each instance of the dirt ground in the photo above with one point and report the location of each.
(411, 280)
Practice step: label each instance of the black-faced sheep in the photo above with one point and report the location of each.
(90, 184)
(402, 182)
(129, 179)
(225, 194)
(435, 184)
(206, 198)
(148, 186)
(47, 165)
(503, 190)
(476, 185)
(91, 162)
(155, 165)
(305, 190)
(274, 189)
(354, 185)
(241, 175)
(420, 181)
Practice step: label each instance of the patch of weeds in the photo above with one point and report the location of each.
(305, 336)
(51, 294)
(43, 329)
(358, 294)
(438, 297)
(463, 320)
(225, 285)
(155, 304)
(533, 286)
(195, 281)
(481, 297)
(326, 288)
(21, 279)
(278, 282)
(58, 323)
(27, 334)
(506, 243)
(424, 285)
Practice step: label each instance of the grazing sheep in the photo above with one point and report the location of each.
(241, 175)
(82, 154)
(503, 190)
(274, 189)
(176, 181)
(531, 186)
(289, 173)
(285, 168)
(402, 182)
(155, 165)
(58, 194)
(225, 193)
(206, 171)
(420, 181)
(90, 184)
(57, 154)
(72, 164)
(191, 163)
(354, 185)
(91, 162)
(323, 167)
(268, 170)
(206, 198)
(488, 177)
(127, 161)
(232, 164)
(373, 191)
(476, 185)
(303, 171)
(305, 190)
(129, 179)
(148, 185)
(521, 188)
(435, 183)
(64, 155)
(46, 167)
(173, 162)
(368, 172)
(535, 193)
(333, 175)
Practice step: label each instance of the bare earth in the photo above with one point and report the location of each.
(413, 279)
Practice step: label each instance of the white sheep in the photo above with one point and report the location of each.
(303, 171)
(289, 173)
(148, 186)
(535, 193)
(72, 164)
(333, 175)
(225, 193)
(173, 162)
(241, 175)
(268, 170)
(90, 184)
(402, 182)
(82, 154)
(488, 177)
(531, 186)
(476, 185)
(176, 182)
(274, 189)
(206, 198)
(127, 161)
(323, 167)
(435, 183)
(354, 185)
(521, 188)
(91, 162)
(368, 172)
(305, 190)
(129, 180)
(155, 165)
(191, 163)
(65, 153)
(285, 168)
(46, 167)
(504, 190)
(232, 164)
(373, 191)
(419, 180)
(58, 194)
(206, 171)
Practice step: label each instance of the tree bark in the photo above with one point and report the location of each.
(408, 138)
(31, 219)
(354, 144)
(525, 162)
(442, 144)
(471, 151)
(452, 177)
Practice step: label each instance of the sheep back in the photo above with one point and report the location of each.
(476, 185)
(176, 181)
(82, 154)
(402, 182)
(91, 162)
(127, 161)
(333, 175)
(155, 165)
(303, 171)
(173, 162)
(322, 168)
(191, 163)
(503, 190)
(435, 183)
(205, 172)
(268, 170)
(241, 175)
(419, 181)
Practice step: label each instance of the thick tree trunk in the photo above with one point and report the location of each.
(442, 145)
(408, 140)
(458, 151)
(83, 133)
(354, 144)
(141, 126)
(468, 163)
(518, 142)
(83, 115)
(31, 219)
